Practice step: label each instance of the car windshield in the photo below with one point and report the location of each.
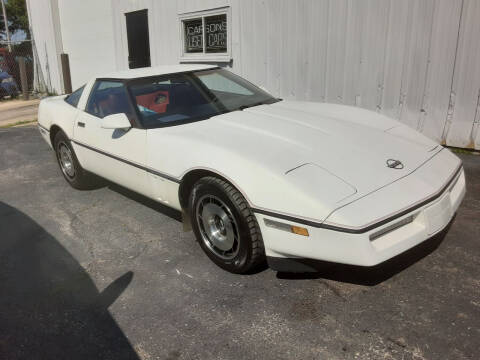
(191, 96)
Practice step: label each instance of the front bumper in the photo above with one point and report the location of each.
(367, 248)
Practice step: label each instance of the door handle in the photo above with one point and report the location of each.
(81, 124)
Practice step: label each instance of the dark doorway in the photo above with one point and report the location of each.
(138, 40)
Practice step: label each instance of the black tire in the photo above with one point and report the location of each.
(77, 177)
(247, 252)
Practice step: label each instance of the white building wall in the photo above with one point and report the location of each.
(163, 30)
(463, 124)
(415, 60)
(44, 22)
(396, 57)
(87, 36)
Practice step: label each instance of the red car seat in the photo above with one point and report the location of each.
(151, 101)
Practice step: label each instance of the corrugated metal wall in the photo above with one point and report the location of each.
(91, 50)
(44, 22)
(415, 60)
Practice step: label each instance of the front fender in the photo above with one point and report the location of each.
(263, 186)
(54, 111)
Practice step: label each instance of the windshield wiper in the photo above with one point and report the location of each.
(251, 105)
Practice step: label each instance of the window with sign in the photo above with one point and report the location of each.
(206, 36)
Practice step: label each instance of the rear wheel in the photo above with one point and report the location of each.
(75, 175)
(225, 226)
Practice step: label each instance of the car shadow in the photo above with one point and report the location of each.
(152, 204)
(359, 275)
(49, 306)
(368, 276)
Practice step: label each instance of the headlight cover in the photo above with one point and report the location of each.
(320, 183)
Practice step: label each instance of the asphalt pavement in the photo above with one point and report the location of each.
(107, 274)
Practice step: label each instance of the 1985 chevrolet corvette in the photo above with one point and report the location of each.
(255, 176)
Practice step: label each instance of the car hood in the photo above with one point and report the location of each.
(319, 157)
(352, 143)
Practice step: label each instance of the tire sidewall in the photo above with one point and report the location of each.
(238, 263)
(60, 137)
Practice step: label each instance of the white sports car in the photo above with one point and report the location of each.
(255, 176)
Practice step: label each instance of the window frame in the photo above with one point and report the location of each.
(79, 98)
(135, 119)
(138, 116)
(204, 56)
(147, 79)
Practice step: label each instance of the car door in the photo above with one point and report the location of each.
(114, 154)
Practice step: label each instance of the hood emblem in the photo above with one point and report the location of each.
(394, 164)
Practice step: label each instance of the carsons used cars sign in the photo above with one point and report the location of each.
(215, 34)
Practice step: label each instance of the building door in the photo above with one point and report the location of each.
(138, 40)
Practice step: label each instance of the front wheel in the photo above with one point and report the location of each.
(75, 175)
(225, 226)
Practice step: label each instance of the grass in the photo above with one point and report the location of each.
(18, 123)
(464, 151)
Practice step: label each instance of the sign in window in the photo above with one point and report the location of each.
(206, 35)
(216, 33)
(193, 36)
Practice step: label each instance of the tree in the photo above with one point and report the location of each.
(17, 17)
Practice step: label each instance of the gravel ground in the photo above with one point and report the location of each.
(15, 111)
(106, 274)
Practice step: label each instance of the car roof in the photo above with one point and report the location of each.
(154, 71)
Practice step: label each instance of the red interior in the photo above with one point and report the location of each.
(148, 101)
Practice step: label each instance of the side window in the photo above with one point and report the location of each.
(107, 98)
(74, 97)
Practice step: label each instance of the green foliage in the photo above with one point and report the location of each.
(17, 16)
(464, 151)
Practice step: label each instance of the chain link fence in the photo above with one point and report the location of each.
(10, 70)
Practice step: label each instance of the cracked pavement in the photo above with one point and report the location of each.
(107, 274)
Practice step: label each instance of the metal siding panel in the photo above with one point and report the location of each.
(42, 20)
(289, 60)
(247, 40)
(417, 62)
(305, 31)
(120, 61)
(317, 57)
(167, 38)
(336, 50)
(274, 51)
(185, 6)
(374, 35)
(440, 71)
(91, 51)
(476, 126)
(353, 54)
(236, 64)
(259, 41)
(466, 82)
(395, 49)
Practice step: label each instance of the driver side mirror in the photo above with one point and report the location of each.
(116, 121)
